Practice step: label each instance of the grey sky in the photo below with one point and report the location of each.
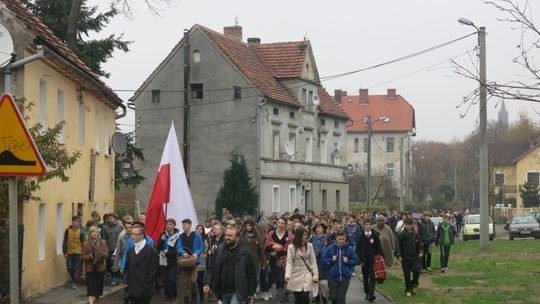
(346, 35)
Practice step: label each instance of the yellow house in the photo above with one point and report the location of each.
(62, 88)
(514, 165)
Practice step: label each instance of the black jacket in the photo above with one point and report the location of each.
(367, 248)
(408, 244)
(172, 252)
(428, 231)
(140, 272)
(244, 274)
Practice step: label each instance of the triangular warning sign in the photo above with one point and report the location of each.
(18, 152)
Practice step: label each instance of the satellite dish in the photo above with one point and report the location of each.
(316, 100)
(119, 143)
(336, 153)
(126, 168)
(6, 46)
(290, 148)
(350, 168)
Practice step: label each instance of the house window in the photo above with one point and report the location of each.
(106, 135)
(41, 231)
(237, 92)
(365, 145)
(291, 115)
(309, 149)
(533, 177)
(389, 144)
(59, 227)
(336, 124)
(96, 122)
(275, 111)
(196, 56)
(323, 122)
(156, 96)
(310, 101)
(60, 114)
(197, 91)
(292, 139)
(323, 151)
(82, 115)
(292, 198)
(275, 148)
(499, 179)
(43, 104)
(324, 201)
(390, 169)
(338, 200)
(304, 96)
(356, 145)
(336, 156)
(275, 199)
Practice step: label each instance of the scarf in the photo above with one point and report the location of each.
(139, 246)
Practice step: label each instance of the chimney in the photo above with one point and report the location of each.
(234, 32)
(337, 95)
(254, 41)
(391, 94)
(363, 97)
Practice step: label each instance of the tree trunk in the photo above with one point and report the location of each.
(71, 38)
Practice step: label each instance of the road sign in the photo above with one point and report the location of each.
(18, 153)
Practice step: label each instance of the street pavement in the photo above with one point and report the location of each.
(354, 295)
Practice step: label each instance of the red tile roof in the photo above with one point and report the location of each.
(286, 59)
(252, 66)
(34, 25)
(401, 113)
(329, 105)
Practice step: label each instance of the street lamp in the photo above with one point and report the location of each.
(367, 120)
(484, 212)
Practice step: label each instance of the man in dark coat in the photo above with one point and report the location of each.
(140, 268)
(367, 247)
(409, 250)
(231, 274)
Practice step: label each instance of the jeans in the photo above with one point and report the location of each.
(74, 266)
(230, 298)
(445, 254)
(426, 258)
(168, 277)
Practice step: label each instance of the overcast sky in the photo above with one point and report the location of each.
(346, 35)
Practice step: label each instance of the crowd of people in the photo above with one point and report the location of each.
(239, 259)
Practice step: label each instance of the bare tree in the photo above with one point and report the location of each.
(155, 6)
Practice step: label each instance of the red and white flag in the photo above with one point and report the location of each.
(170, 196)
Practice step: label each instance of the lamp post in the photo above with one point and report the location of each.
(484, 211)
(367, 120)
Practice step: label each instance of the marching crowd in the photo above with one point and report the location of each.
(236, 260)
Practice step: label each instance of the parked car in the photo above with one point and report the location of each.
(524, 226)
(471, 227)
(436, 221)
(537, 216)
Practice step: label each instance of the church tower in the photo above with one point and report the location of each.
(503, 115)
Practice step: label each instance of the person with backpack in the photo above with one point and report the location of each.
(341, 259)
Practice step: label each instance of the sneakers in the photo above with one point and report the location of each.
(408, 293)
(428, 269)
(444, 269)
(266, 295)
(74, 286)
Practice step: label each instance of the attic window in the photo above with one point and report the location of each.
(336, 124)
(276, 111)
(156, 96)
(307, 65)
(197, 90)
(323, 122)
(237, 92)
(291, 115)
(196, 56)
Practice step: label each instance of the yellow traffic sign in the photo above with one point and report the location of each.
(18, 152)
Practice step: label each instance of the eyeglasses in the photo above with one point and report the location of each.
(137, 233)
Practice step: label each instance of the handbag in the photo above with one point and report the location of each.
(379, 268)
(183, 262)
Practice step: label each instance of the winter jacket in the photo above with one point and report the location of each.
(94, 256)
(408, 244)
(353, 232)
(301, 268)
(131, 244)
(73, 241)
(339, 270)
(140, 271)
(368, 247)
(244, 275)
(428, 231)
(253, 242)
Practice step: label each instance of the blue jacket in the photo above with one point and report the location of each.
(197, 247)
(319, 245)
(339, 270)
(353, 232)
(131, 244)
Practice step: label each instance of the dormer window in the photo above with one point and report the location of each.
(196, 56)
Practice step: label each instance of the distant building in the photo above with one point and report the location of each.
(503, 115)
(391, 140)
(255, 98)
(62, 88)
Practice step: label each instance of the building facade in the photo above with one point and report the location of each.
(62, 89)
(253, 98)
(393, 126)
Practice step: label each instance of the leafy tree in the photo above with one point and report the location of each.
(237, 192)
(134, 153)
(74, 27)
(529, 195)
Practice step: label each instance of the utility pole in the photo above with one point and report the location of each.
(484, 212)
(187, 100)
(368, 186)
(455, 185)
(401, 206)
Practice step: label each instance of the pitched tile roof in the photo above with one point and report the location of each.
(286, 59)
(252, 66)
(508, 153)
(329, 105)
(401, 113)
(34, 25)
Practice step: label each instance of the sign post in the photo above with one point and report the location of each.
(18, 157)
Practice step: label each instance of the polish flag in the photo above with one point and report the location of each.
(170, 196)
